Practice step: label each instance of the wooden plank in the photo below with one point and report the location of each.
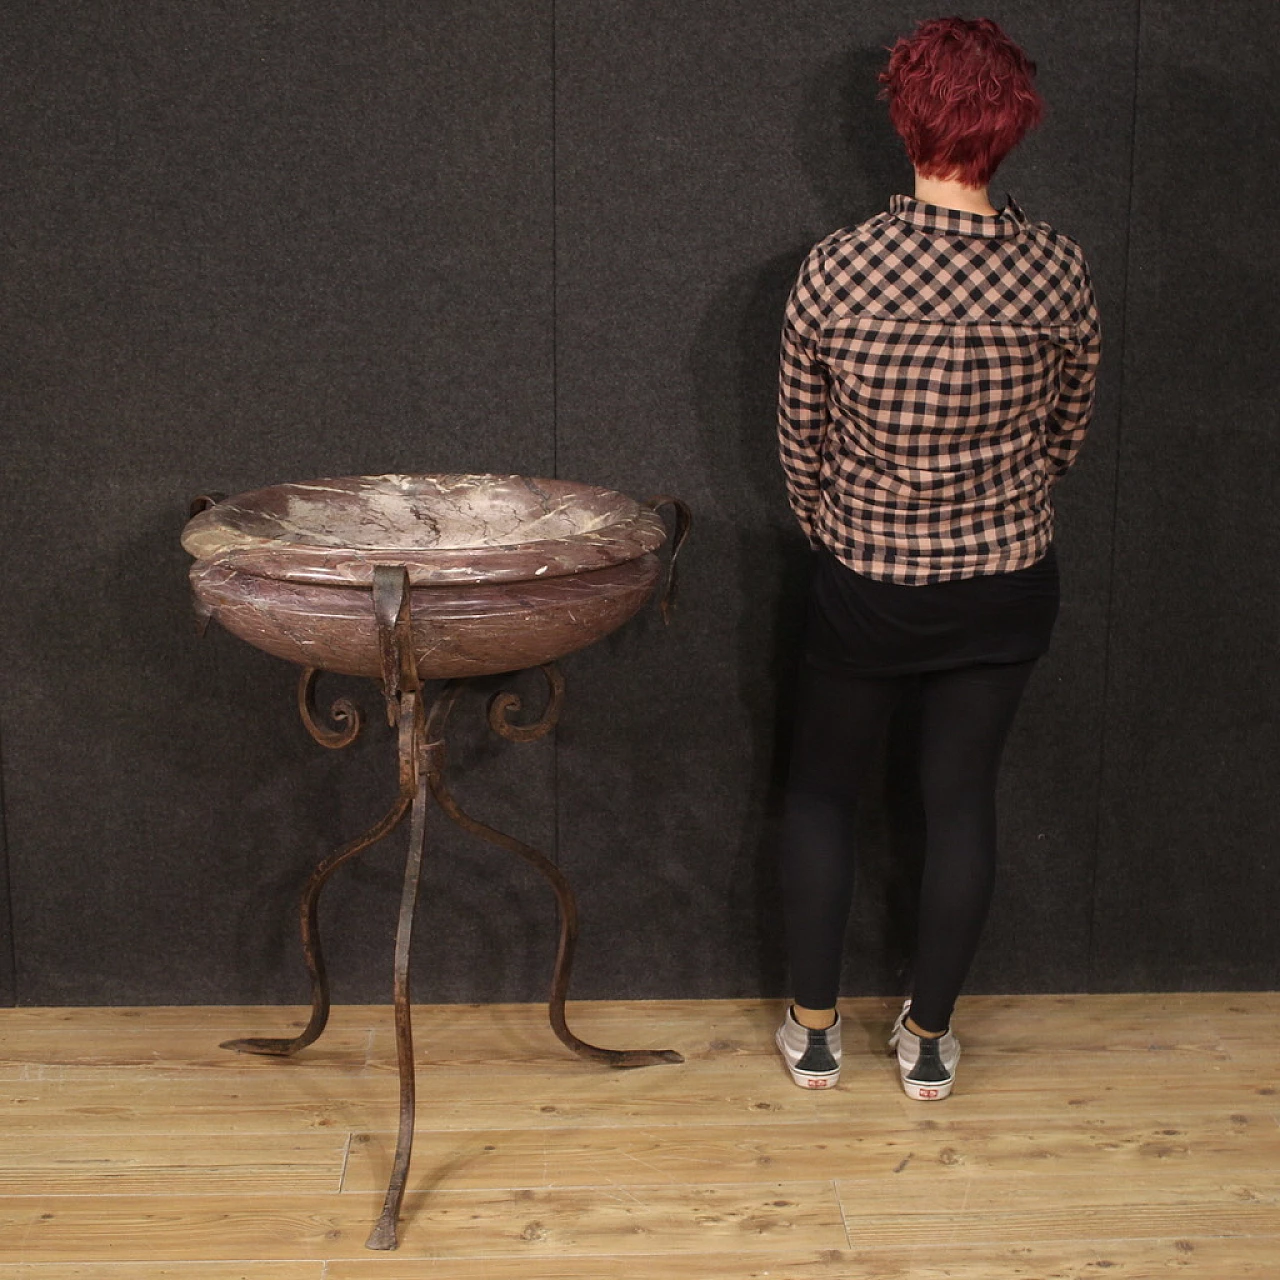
(162, 1271)
(1233, 1258)
(1112, 1148)
(624, 1220)
(512, 1038)
(1213, 1259)
(983, 1227)
(825, 1264)
(1125, 1038)
(1010, 1071)
(151, 1052)
(979, 1210)
(609, 1220)
(152, 1164)
(176, 1163)
(1011, 1193)
(284, 1097)
(519, 1033)
(1026, 1026)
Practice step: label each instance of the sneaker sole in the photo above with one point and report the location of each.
(927, 1092)
(805, 1080)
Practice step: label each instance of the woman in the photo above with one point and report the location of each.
(937, 379)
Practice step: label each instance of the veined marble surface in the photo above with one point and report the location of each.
(466, 629)
(445, 529)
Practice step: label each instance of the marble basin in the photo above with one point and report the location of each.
(506, 572)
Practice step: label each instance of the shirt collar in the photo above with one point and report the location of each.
(955, 222)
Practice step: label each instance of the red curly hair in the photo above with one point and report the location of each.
(961, 97)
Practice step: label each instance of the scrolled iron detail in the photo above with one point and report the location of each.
(503, 705)
(342, 711)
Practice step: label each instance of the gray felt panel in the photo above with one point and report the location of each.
(701, 149)
(253, 243)
(1188, 879)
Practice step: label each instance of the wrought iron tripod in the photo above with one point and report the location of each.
(421, 758)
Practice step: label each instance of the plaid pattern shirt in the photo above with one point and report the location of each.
(937, 379)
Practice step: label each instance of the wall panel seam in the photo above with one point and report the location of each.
(555, 265)
(1104, 737)
(555, 390)
(6, 889)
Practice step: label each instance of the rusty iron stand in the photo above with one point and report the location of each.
(421, 753)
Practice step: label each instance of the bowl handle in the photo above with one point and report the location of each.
(684, 519)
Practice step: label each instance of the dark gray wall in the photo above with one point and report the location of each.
(252, 242)
(1188, 882)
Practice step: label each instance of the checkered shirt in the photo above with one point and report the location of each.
(937, 380)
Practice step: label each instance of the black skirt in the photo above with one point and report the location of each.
(864, 627)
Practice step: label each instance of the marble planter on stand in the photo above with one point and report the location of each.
(411, 579)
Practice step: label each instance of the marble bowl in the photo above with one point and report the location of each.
(506, 572)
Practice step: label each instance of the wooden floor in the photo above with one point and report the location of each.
(1102, 1136)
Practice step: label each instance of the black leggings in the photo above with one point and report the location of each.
(840, 720)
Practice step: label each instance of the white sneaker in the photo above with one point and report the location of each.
(812, 1057)
(927, 1064)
